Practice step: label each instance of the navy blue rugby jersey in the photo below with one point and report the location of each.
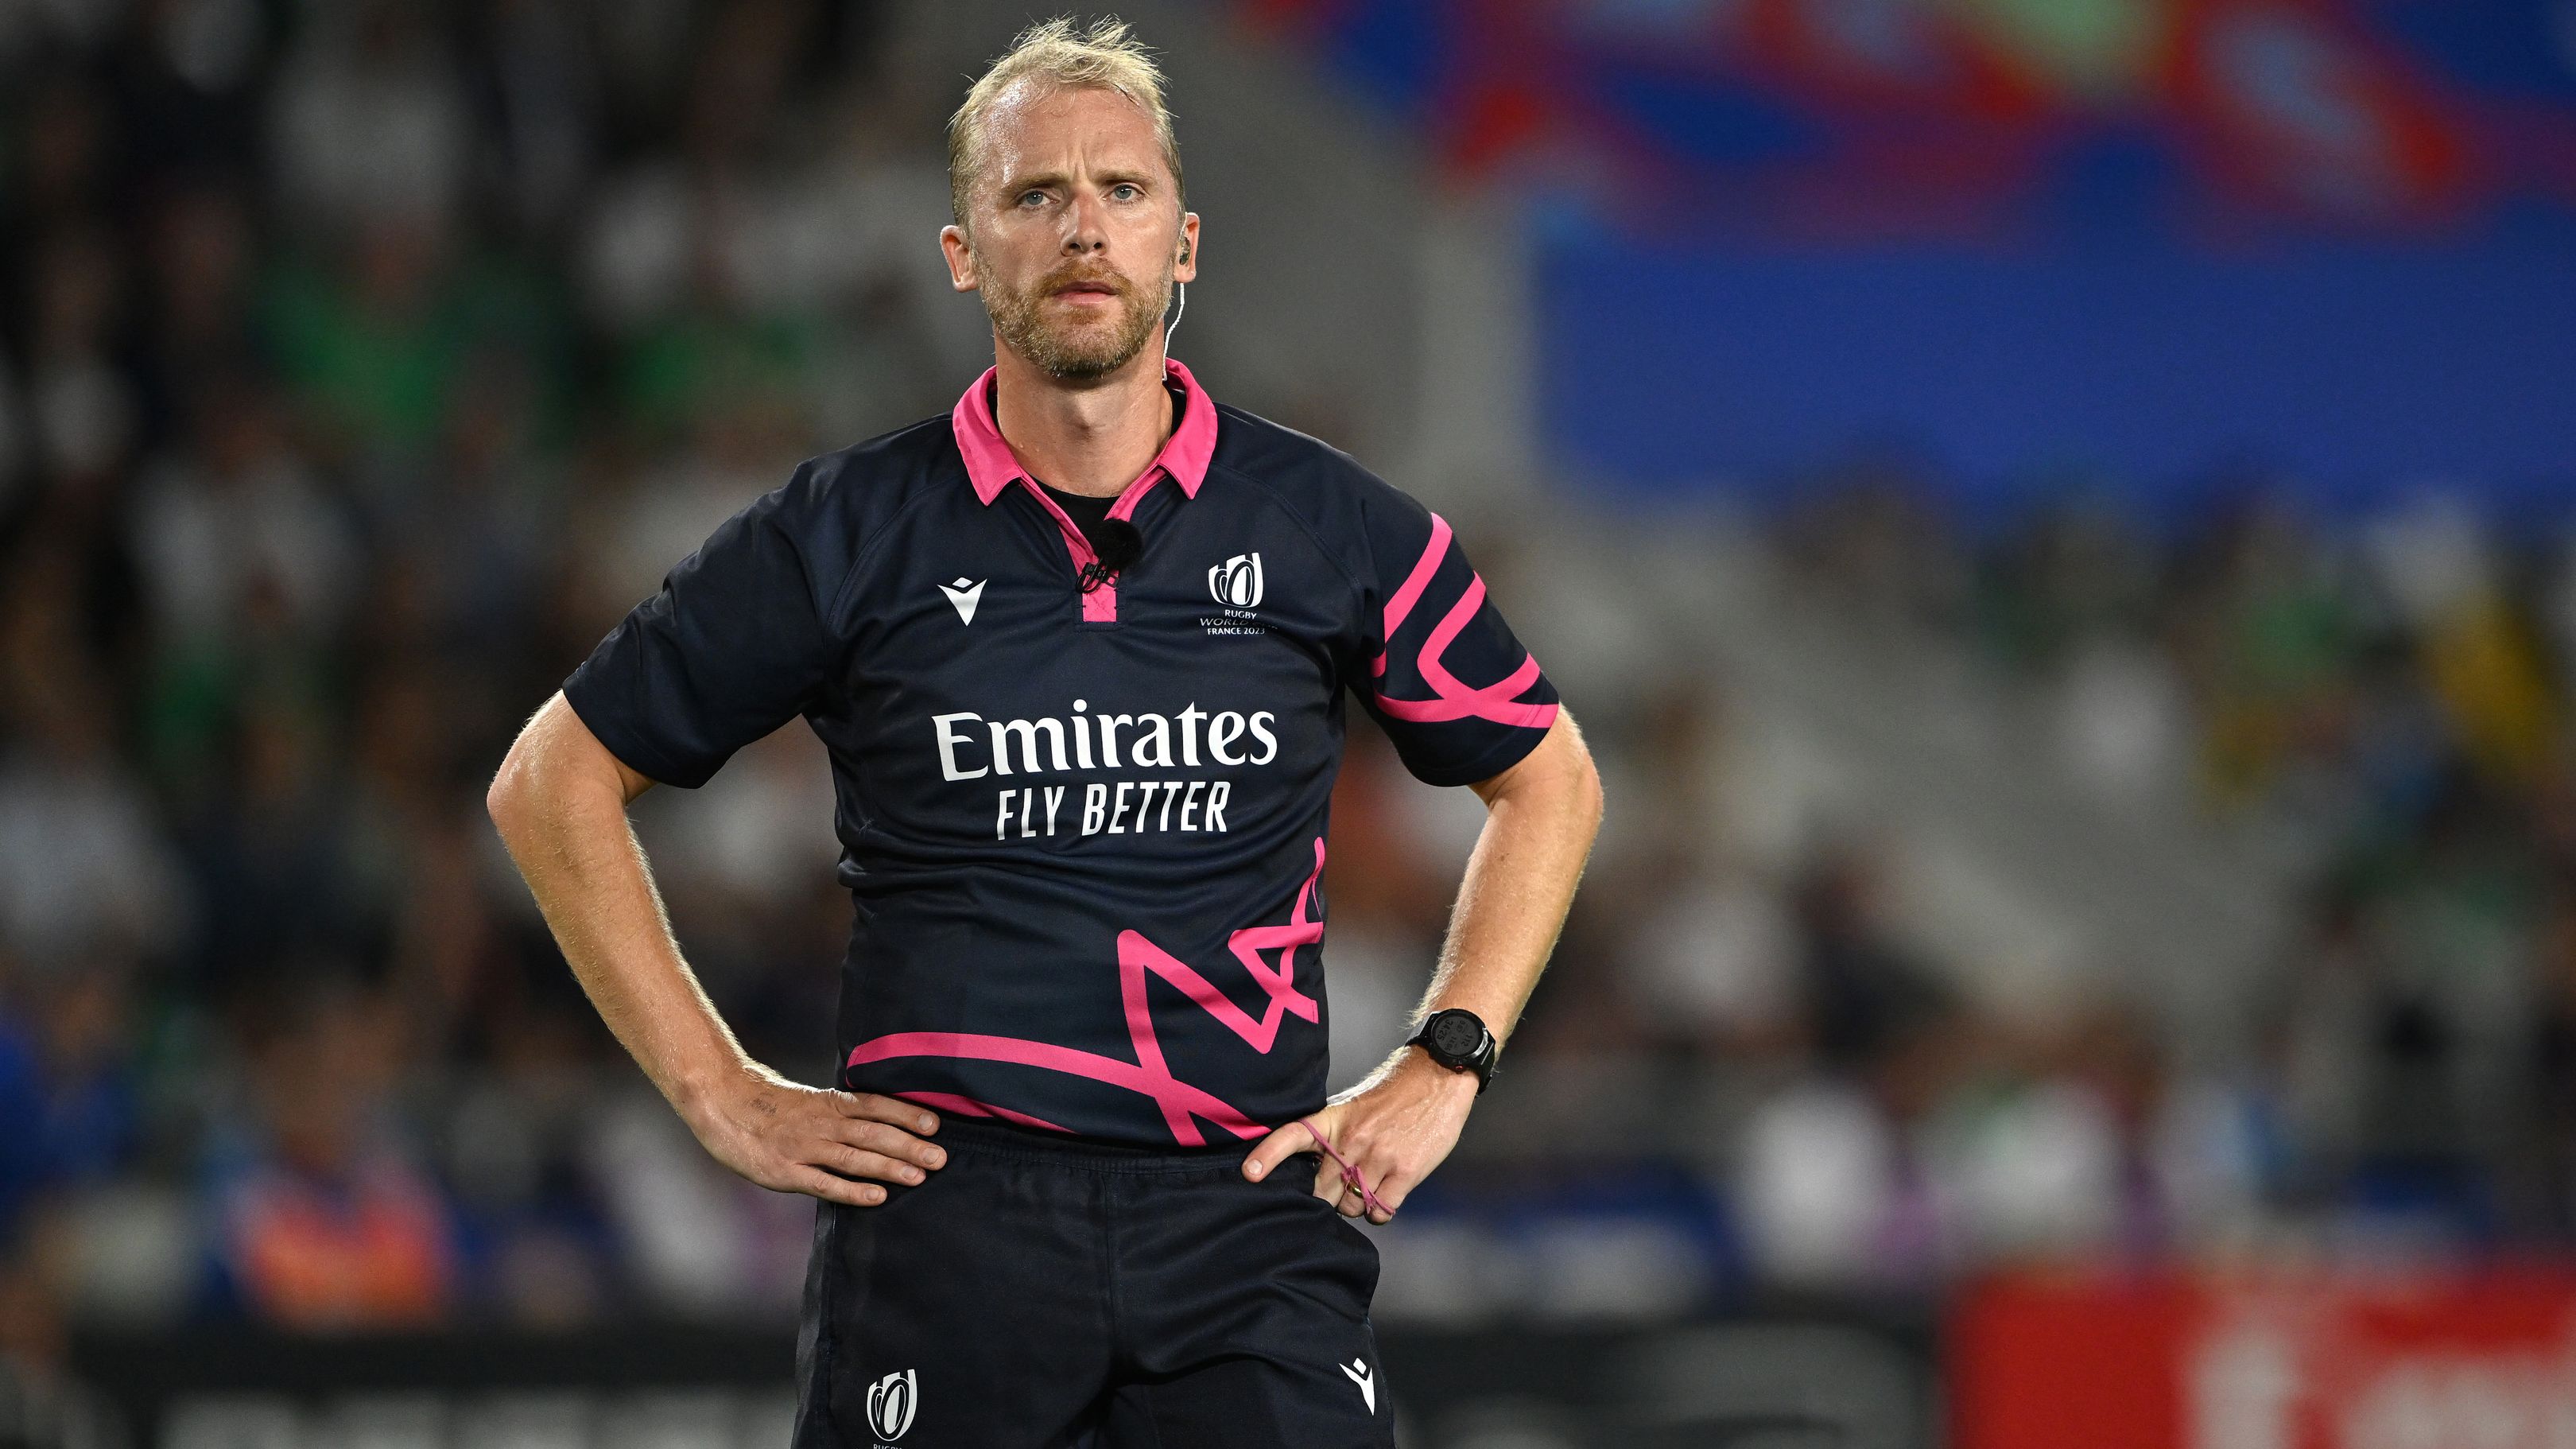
(1084, 831)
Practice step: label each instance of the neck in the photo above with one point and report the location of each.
(1092, 436)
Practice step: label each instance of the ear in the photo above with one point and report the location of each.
(960, 254)
(1186, 265)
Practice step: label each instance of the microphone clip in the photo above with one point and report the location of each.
(1119, 545)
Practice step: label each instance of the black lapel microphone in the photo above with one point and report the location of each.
(1119, 545)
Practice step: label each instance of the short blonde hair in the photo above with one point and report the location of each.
(1105, 57)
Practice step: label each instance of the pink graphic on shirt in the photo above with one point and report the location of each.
(965, 1106)
(1457, 699)
(1137, 956)
(1149, 1074)
(1399, 608)
(1161, 1086)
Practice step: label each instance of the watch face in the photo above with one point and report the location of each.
(1456, 1036)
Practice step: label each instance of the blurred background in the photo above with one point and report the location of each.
(2058, 517)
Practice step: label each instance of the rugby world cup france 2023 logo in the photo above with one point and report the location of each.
(891, 1401)
(1236, 583)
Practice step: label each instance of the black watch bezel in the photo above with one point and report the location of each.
(1479, 1060)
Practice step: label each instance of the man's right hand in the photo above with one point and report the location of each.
(789, 1137)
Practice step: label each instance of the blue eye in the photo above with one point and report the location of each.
(1025, 196)
(1126, 187)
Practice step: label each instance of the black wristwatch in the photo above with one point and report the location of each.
(1457, 1039)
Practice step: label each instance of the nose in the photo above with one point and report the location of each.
(1087, 231)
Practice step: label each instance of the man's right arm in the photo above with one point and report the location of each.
(560, 801)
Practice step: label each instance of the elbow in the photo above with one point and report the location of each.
(1588, 795)
(1557, 782)
(500, 801)
(506, 799)
(1561, 780)
(553, 766)
(1577, 783)
(1586, 798)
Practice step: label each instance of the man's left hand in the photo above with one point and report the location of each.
(1395, 1130)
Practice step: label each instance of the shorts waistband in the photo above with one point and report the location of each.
(978, 1136)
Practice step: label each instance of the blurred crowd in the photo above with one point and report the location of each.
(1808, 1096)
(361, 364)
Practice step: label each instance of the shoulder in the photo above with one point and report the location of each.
(868, 482)
(1328, 490)
(836, 506)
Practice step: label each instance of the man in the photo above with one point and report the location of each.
(1077, 651)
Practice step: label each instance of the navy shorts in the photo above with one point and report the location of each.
(1043, 1293)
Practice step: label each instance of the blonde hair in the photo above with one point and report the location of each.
(1105, 57)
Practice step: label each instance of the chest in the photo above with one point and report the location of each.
(1225, 644)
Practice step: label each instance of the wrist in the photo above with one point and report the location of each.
(1457, 1041)
(702, 1094)
(1442, 1080)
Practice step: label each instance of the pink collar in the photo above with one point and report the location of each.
(991, 465)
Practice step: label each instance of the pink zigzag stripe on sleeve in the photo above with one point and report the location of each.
(1457, 700)
(1399, 608)
(968, 1107)
(1149, 1074)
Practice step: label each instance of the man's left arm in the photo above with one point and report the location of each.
(1400, 1122)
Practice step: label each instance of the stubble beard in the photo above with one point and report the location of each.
(1076, 351)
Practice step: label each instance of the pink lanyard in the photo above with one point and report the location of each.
(1350, 1174)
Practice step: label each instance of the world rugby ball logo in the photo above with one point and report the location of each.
(1236, 582)
(891, 1401)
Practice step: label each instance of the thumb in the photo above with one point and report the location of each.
(1284, 1142)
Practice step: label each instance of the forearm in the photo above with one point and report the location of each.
(1511, 905)
(1397, 1124)
(560, 802)
(563, 818)
(1541, 818)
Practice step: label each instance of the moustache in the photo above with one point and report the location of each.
(1063, 277)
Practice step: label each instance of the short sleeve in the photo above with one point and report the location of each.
(1444, 675)
(733, 646)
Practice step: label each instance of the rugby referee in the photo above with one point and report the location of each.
(1078, 651)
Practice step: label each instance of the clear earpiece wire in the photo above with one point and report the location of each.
(1182, 289)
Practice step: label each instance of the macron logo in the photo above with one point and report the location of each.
(1357, 1371)
(964, 597)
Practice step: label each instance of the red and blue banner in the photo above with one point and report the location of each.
(2135, 239)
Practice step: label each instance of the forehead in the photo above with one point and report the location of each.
(1039, 126)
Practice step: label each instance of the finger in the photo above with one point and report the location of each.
(1390, 1190)
(1282, 1144)
(816, 1183)
(850, 1161)
(1386, 1184)
(1331, 1178)
(876, 1106)
(889, 1139)
(1328, 1180)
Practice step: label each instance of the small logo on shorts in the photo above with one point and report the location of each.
(891, 1401)
(1357, 1371)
